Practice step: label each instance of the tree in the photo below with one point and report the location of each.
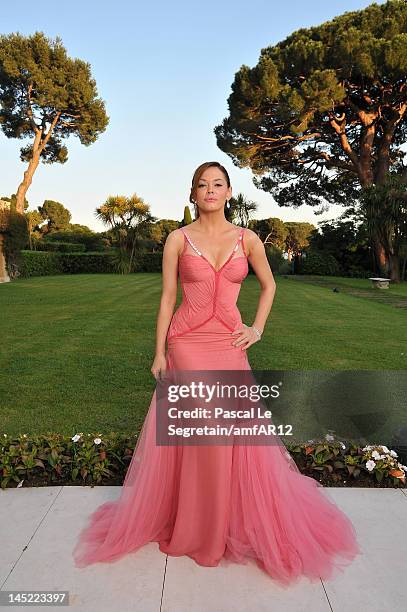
(13, 202)
(187, 219)
(159, 231)
(33, 219)
(345, 238)
(385, 209)
(56, 215)
(270, 231)
(323, 113)
(130, 220)
(298, 237)
(46, 96)
(241, 209)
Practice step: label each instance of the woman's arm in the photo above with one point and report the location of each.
(256, 255)
(172, 248)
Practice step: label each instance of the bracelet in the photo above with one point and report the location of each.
(256, 331)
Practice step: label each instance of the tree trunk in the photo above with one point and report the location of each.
(382, 262)
(394, 268)
(25, 184)
(38, 147)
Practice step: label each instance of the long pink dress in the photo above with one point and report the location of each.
(212, 502)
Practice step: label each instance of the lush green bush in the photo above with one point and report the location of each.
(318, 262)
(106, 262)
(76, 263)
(148, 262)
(92, 241)
(358, 272)
(40, 263)
(44, 263)
(15, 231)
(56, 245)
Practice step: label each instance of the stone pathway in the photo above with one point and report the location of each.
(39, 527)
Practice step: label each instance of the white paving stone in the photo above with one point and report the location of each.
(375, 582)
(39, 528)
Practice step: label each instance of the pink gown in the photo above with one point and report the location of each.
(236, 502)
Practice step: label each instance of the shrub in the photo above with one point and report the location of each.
(76, 263)
(56, 245)
(14, 227)
(358, 272)
(318, 262)
(44, 263)
(39, 263)
(148, 262)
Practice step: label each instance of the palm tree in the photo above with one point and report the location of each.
(129, 218)
(241, 209)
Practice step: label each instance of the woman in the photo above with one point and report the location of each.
(217, 501)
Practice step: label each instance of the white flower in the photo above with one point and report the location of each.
(343, 445)
(393, 453)
(385, 449)
(367, 448)
(75, 438)
(97, 440)
(377, 455)
(370, 465)
(329, 438)
(382, 456)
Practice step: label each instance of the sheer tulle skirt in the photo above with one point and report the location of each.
(213, 502)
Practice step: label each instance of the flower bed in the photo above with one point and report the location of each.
(338, 464)
(54, 459)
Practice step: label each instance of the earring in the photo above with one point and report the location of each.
(227, 204)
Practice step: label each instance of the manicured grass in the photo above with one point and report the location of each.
(356, 283)
(312, 327)
(77, 350)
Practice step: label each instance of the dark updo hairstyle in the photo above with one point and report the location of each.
(197, 175)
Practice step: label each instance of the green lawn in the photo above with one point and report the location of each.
(77, 350)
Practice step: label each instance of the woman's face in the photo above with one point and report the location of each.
(212, 190)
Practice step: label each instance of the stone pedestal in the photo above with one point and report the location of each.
(4, 277)
(380, 283)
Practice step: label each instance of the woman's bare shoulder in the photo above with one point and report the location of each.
(250, 239)
(175, 240)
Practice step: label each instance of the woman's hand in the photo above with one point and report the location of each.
(159, 366)
(247, 337)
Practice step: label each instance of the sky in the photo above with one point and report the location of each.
(164, 71)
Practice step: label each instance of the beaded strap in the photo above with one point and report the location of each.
(192, 244)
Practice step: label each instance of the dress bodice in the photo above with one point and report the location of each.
(207, 292)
